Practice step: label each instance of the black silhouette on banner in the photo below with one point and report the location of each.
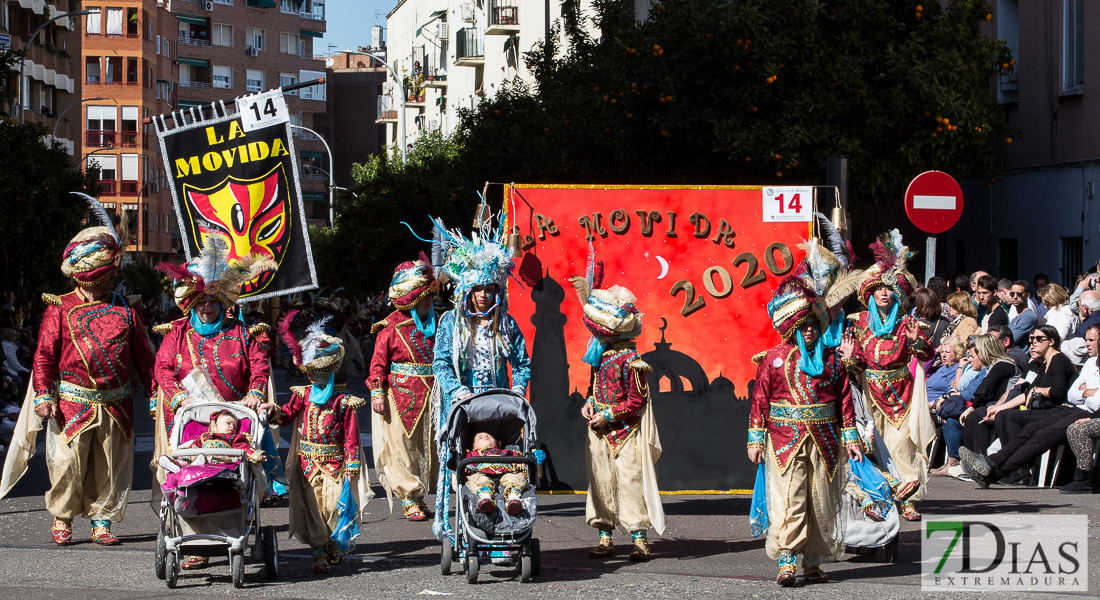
(243, 186)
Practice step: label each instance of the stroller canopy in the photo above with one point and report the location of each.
(501, 413)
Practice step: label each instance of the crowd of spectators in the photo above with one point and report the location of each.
(1015, 375)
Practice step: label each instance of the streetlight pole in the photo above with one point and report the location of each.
(30, 40)
(397, 82)
(54, 134)
(331, 200)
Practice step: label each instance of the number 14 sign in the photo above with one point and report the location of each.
(262, 110)
(788, 204)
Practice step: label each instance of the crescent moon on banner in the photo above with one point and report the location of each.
(664, 267)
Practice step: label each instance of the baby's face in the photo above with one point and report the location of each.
(484, 441)
(226, 424)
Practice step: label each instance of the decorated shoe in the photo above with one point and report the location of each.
(906, 490)
(412, 512)
(788, 570)
(192, 563)
(335, 558)
(424, 508)
(485, 504)
(103, 536)
(814, 574)
(640, 551)
(605, 548)
(909, 512)
(513, 504)
(320, 564)
(62, 532)
(869, 511)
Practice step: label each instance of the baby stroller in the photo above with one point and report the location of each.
(863, 535)
(211, 509)
(498, 537)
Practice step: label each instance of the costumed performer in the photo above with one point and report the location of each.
(879, 348)
(325, 451)
(400, 382)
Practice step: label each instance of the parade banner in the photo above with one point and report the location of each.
(235, 173)
(703, 262)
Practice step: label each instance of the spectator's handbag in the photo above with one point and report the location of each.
(1037, 401)
(952, 408)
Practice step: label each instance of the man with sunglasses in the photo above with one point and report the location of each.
(1023, 320)
(1035, 438)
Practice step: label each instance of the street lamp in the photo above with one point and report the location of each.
(331, 200)
(54, 134)
(30, 40)
(397, 82)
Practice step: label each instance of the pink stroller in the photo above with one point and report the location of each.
(212, 498)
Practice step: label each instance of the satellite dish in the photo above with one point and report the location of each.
(329, 62)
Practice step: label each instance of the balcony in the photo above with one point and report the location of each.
(129, 139)
(469, 48)
(387, 113)
(196, 85)
(99, 138)
(108, 188)
(129, 188)
(305, 55)
(194, 41)
(503, 17)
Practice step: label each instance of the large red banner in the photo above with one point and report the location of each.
(703, 262)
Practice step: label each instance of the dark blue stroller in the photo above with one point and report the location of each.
(500, 538)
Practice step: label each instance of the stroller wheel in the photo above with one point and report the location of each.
(270, 547)
(536, 558)
(236, 566)
(161, 556)
(471, 567)
(890, 551)
(172, 570)
(445, 559)
(525, 569)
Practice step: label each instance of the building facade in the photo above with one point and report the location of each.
(1043, 216)
(355, 81)
(448, 54)
(232, 48)
(51, 70)
(128, 74)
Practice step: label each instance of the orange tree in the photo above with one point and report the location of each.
(752, 92)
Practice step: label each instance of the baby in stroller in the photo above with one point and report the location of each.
(224, 432)
(512, 478)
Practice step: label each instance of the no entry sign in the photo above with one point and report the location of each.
(934, 201)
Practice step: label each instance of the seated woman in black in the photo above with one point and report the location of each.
(977, 426)
(1049, 374)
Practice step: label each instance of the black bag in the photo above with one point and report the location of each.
(953, 407)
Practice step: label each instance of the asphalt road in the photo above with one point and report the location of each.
(705, 551)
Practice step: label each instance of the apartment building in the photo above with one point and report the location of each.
(448, 54)
(51, 70)
(232, 48)
(1044, 215)
(355, 81)
(128, 74)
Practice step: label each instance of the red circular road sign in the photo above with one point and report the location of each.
(934, 201)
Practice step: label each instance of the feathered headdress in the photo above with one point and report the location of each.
(95, 252)
(317, 353)
(890, 270)
(214, 273)
(609, 314)
(483, 259)
(793, 303)
(412, 280)
(826, 269)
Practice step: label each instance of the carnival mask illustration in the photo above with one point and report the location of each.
(255, 214)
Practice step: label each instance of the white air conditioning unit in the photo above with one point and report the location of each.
(249, 50)
(467, 10)
(442, 31)
(206, 5)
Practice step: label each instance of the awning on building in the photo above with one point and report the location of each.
(311, 154)
(189, 104)
(314, 196)
(435, 15)
(312, 34)
(262, 3)
(194, 62)
(192, 19)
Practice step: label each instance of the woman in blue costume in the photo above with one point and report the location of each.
(477, 341)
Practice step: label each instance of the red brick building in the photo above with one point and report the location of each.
(354, 85)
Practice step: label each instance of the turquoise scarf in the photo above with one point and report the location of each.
(428, 329)
(596, 348)
(206, 329)
(833, 335)
(320, 394)
(878, 326)
(810, 364)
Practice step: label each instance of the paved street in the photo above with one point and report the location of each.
(706, 550)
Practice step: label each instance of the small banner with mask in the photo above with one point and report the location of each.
(237, 177)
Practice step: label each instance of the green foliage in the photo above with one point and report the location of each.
(40, 216)
(751, 92)
(140, 278)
